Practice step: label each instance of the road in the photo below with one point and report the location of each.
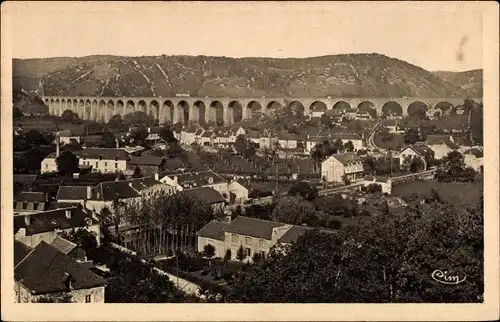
(371, 142)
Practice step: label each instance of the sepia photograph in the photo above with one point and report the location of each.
(213, 153)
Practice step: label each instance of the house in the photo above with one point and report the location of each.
(154, 133)
(343, 165)
(238, 191)
(254, 235)
(237, 130)
(208, 138)
(385, 185)
(254, 137)
(317, 113)
(355, 138)
(392, 126)
(30, 202)
(441, 145)
(208, 196)
(287, 140)
(66, 137)
(32, 228)
(74, 194)
(26, 181)
(350, 113)
(104, 160)
(188, 135)
(464, 143)
(311, 141)
(418, 149)
(70, 249)
(474, 158)
(190, 180)
(363, 115)
(148, 164)
(44, 270)
(105, 194)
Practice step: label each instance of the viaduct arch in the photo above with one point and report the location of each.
(231, 110)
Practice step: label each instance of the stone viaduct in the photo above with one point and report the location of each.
(203, 109)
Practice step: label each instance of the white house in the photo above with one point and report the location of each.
(65, 137)
(207, 138)
(238, 190)
(343, 165)
(355, 138)
(441, 145)
(287, 140)
(386, 185)
(474, 158)
(188, 135)
(413, 151)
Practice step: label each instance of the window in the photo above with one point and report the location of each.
(46, 166)
(116, 165)
(105, 164)
(88, 298)
(248, 240)
(262, 243)
(234, 238)
(97, 164)
(248, 251)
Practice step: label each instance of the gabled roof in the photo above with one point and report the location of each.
(25, 178)
(46, 269)
(214, 229)
(72, 193)
(199, 132)
(29, 196)
(293, 234)
(243, 183)
(318, 139)
(51, 220)
(206, 195)
(347, 158)
(475, 152)
(113, 190)
(146, 160)
(197, 179)
(96, 153)
(345, 136)
(20, 251)
(253, 227)
(63, 245)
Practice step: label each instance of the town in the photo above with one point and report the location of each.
(135, 208)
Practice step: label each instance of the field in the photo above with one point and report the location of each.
(457, 193)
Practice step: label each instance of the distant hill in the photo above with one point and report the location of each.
(353, 75)
(28, 102)
(470, 81)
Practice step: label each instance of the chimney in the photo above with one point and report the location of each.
(117, 143)
(175, 179)
(157, 176)
(57, 144)
(68, 213)
(27, 220)
(89, 192)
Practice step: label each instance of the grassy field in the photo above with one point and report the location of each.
(457, 193)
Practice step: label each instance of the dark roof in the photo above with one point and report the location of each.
(112, 190)
(45, 269)
(146, 160)
(63, 245)
(345, 136)
(475, 152)
(347, 158)
(198, 179)
(253, 134)
(252, 227)
(463, 141)
(422, 148)
(53, 219)
(25, 178)
(293, 234)
(206, 195)
(96, 153)
(30, 196)
(20, 251)
(156, 129)
(71, 193)
(287, 136)
(318, 139)
(214, 229)
(207, 134)
(437, 139)
(199, 132)
(243, 182)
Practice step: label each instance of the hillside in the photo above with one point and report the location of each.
(368, 75)
(470, 81)
(28, 103)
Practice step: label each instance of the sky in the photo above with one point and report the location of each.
(432, 35)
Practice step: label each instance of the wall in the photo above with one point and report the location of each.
(288, 144)
(240, 192)
(407, 153)
(48, 165)
(49, 236)
(471, 161)
(104, 166)
(253, 245)
(332, 170)
(220, 250)
(440, 151)
(23, 295)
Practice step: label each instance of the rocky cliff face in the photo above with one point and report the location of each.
(363, 75)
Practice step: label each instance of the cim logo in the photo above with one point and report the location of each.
(444, 278)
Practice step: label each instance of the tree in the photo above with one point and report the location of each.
(137, 172)
(349, 146)
(227, 255)
(257, 257)
(167, 134)
(303, 189)
(116, 122)
(411, 136)
(337, 146)
(17, 113)
(416, 164)
(139, 135)
(108, 140)
(35, 139)
(326, 121)
(83, 238)
(292, 210)
(138, 118)
(68, 116)
(67, 163)
(208, 251)
(241, 254)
